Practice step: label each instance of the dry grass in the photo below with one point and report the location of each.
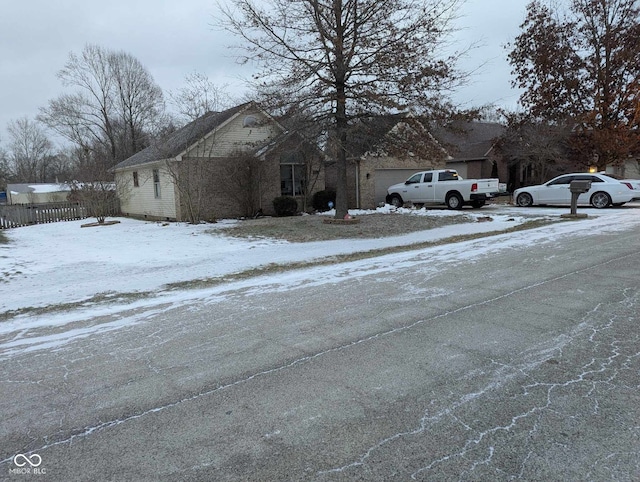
(302, 229)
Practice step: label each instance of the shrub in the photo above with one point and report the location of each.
(285, 206)
(320, 201)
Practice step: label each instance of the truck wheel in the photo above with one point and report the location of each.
(454, 201)
(396, 201)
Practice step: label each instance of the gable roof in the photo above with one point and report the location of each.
(392, 135)
(467, 140)
(179, 141)
(458, 140)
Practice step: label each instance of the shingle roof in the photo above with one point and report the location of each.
(378, 134)
(181, 139)
(462, 140)
(468, 140)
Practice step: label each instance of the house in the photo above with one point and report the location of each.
(37, 193)
(471, 147)
(630, 169)
(386, 150)
(223, 165)
(382, 151)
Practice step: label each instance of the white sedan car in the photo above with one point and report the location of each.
(632, 183)
(605, 191)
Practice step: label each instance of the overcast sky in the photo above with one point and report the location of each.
(173, 38)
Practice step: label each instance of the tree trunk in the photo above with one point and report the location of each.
(342, 201)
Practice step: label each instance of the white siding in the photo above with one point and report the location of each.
(141, 201)
(233, 136)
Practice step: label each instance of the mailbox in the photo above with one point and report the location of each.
(580, 186)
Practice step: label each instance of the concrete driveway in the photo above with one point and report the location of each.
(522, 363)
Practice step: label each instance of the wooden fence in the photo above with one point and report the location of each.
(16, 215)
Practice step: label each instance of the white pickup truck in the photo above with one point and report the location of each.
(443, 187)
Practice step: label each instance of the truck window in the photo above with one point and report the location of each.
(428, 177)
(448, 176)
(414, 179)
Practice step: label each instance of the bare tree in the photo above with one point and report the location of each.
(198, 97)
(99, 197)
(140, 102)
(194, 177)
(342, 59)
(533, 149)
(62, 167)
(30, 151)
(241, 177)
(113, 106)
(5, 169)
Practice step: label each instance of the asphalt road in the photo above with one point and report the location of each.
(522, 364)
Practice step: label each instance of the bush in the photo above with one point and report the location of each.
(285, 206)
(320, 201)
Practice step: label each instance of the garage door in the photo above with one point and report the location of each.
(388, 177)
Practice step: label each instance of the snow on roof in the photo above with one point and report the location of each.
(16, 189)
(44, 188)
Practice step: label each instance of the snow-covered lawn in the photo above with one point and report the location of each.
(59, 263)
(55, 264)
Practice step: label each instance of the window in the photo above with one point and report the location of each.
(250, 121)
(414, 179)
(293, 173)
(448, 176)
(428, 177)
(136, 183)
(561, 180)
(156, 183)
(292, 179)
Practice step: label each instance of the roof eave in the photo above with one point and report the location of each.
(143, 164)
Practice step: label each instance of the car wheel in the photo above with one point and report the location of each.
(454, 201)
(600, 200)
(396, 201)
(477, 204)
(524, 200)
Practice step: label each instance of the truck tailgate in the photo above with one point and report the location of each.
(488, 185)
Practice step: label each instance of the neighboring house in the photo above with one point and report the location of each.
(383, 151)
(222, 165)
(630, 169)
(37, 193)
(471, 147)
(388, 150)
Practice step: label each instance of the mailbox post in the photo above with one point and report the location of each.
(578, 187)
